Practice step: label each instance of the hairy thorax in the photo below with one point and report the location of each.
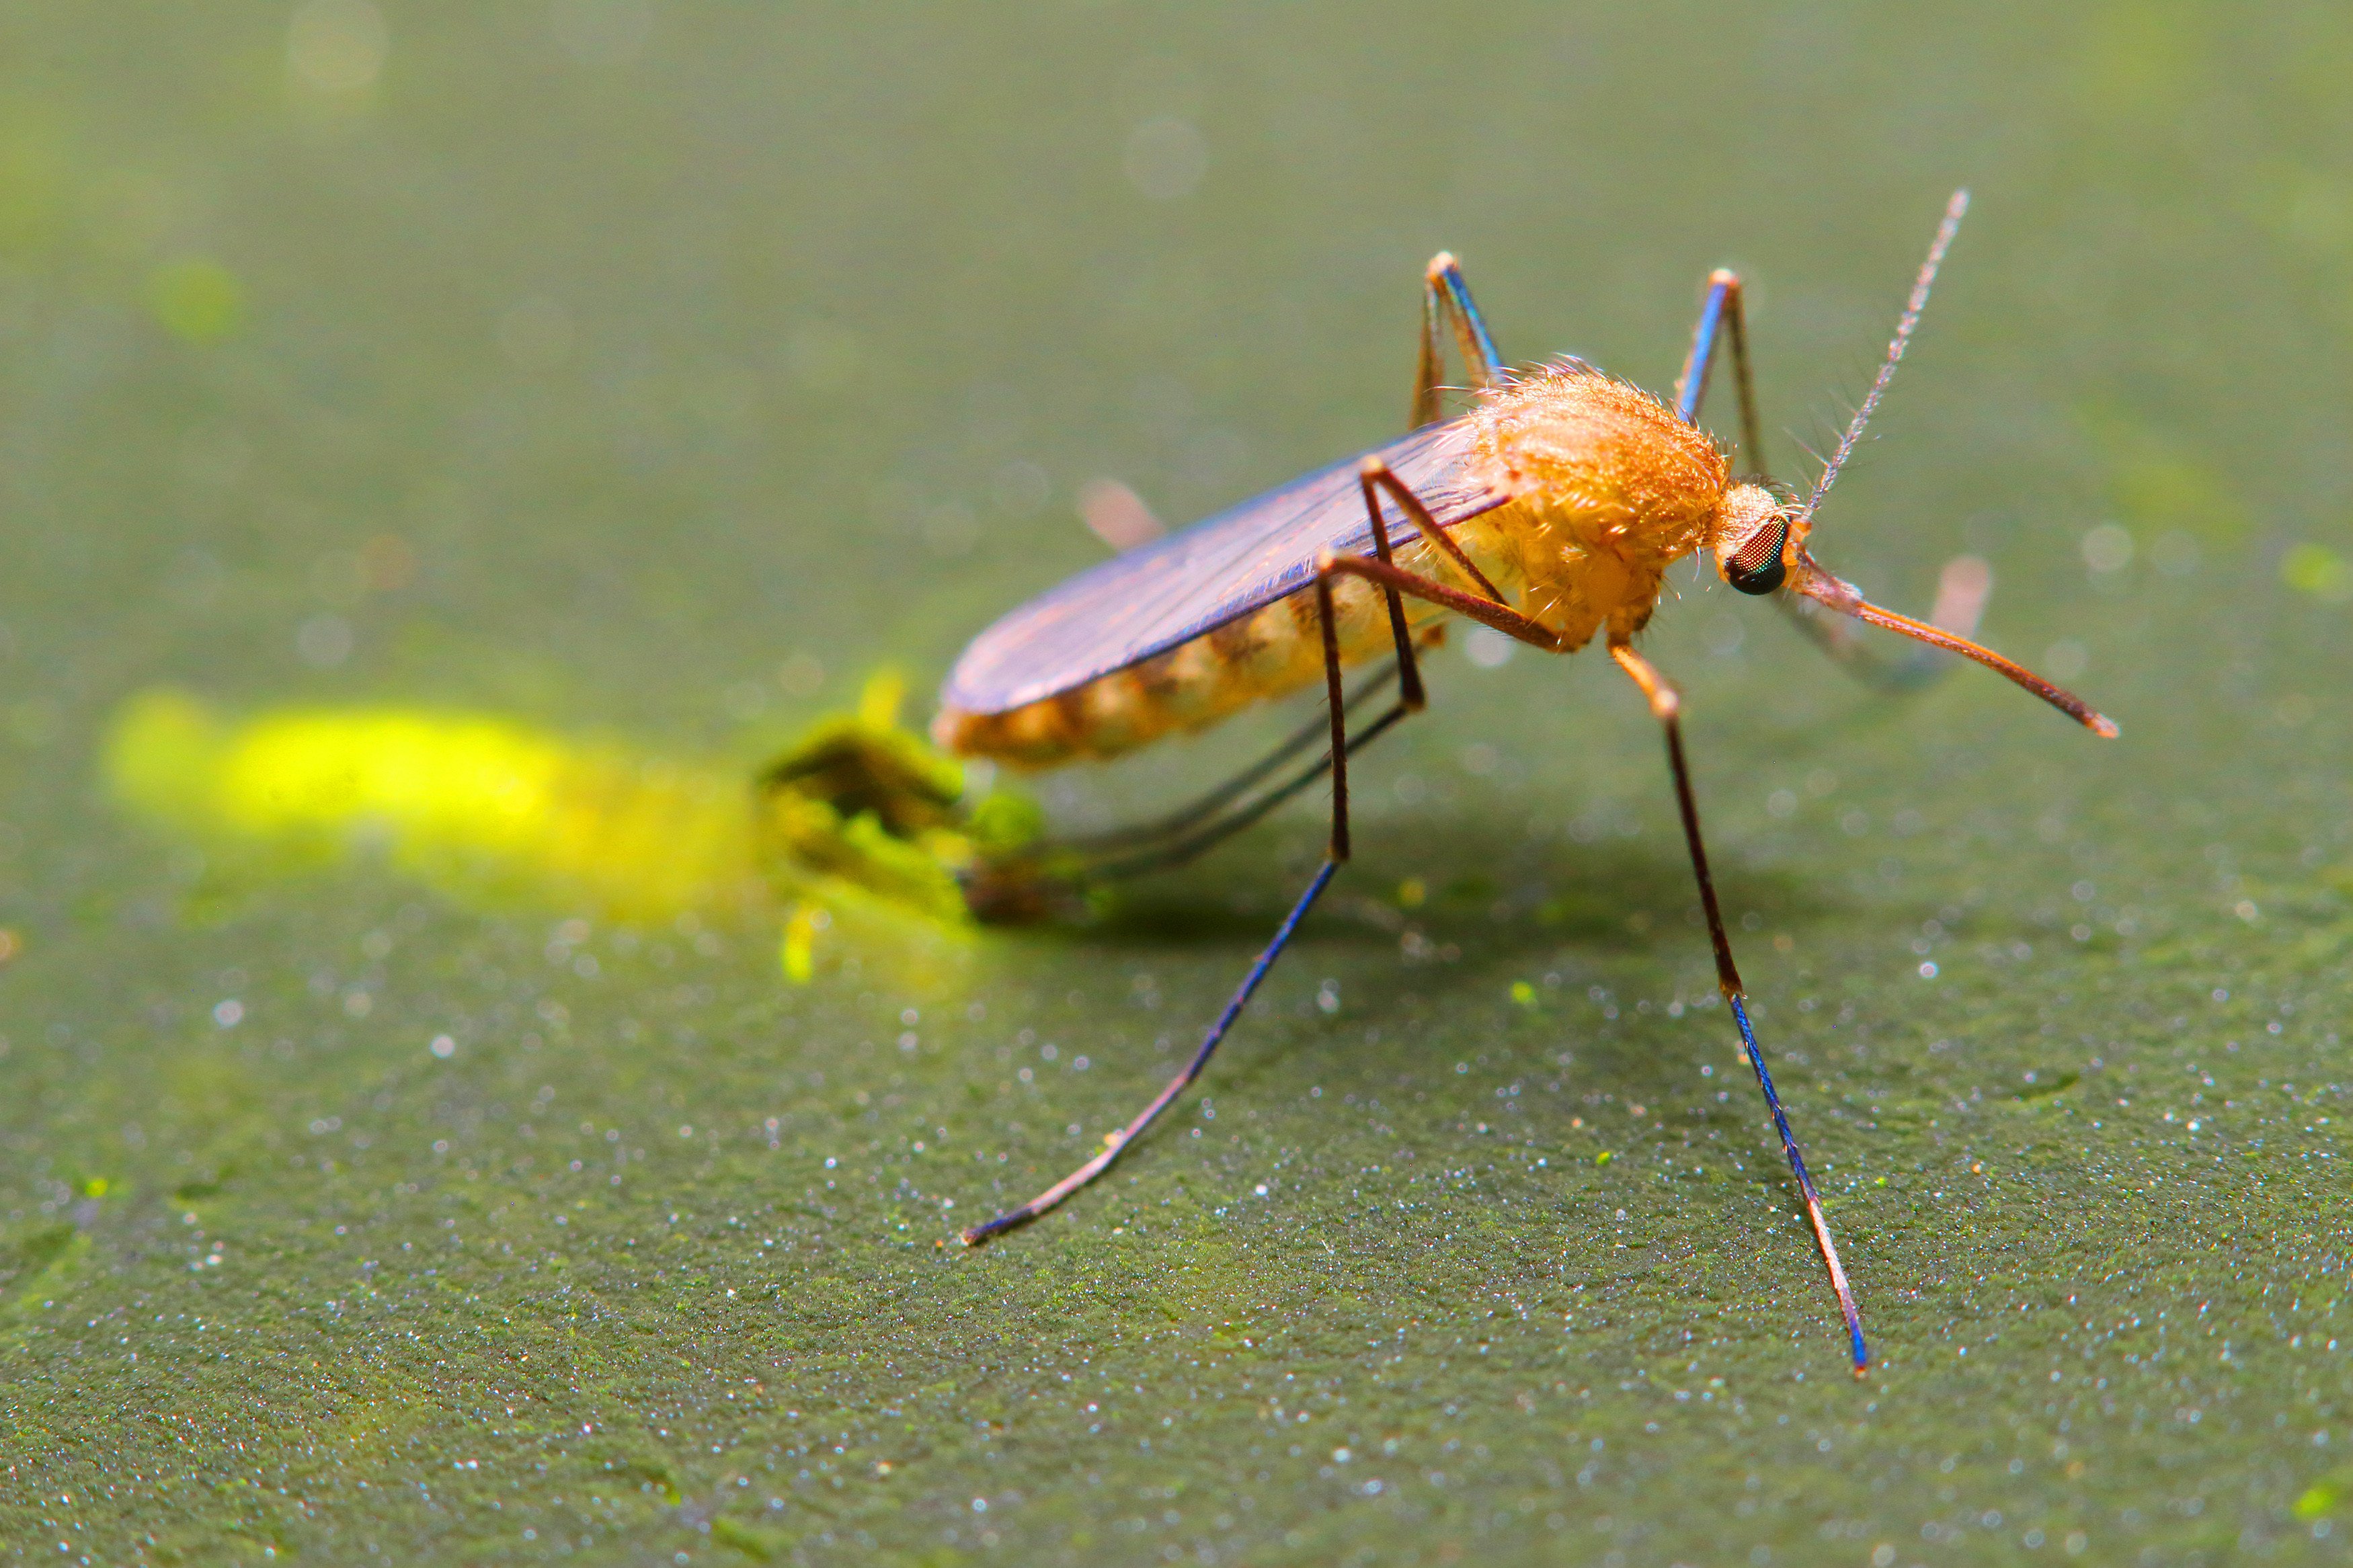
(1610, 488)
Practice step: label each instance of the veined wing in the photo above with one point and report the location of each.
(1173, 590)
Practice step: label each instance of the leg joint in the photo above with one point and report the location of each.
(1666, 702)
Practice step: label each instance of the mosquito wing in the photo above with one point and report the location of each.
(1173, 590)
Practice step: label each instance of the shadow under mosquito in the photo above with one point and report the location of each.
(1450, 884)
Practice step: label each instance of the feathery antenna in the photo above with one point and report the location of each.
(1954, 211)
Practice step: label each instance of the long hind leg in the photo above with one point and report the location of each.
(1335, 852)
(1410, 699)
(1667, 706)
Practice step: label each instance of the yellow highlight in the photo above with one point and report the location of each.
(800, 943)
(2316, 570)
(197, 300)
(858, 818)
(877, 704)
(462, 801)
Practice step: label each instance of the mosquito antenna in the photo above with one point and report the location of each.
(1953, 210)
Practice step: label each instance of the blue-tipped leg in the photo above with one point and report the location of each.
(1721, 322)
(1805, 1185)
(1446, 299)
(1666, 705)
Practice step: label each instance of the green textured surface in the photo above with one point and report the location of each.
(687, 345)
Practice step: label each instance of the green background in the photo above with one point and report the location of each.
(706, 357)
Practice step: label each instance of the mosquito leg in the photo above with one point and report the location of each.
(1395, 583)
(1371, 478)
(1722, 321)
(1666, 704)
(1192, 815)
(1374, 477)
(1162, 857)
(1490, 613)
(1446, 301)
(1337, 852)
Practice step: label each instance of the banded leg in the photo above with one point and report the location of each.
(1666, 704)
(1446, 302)
(1410, 699)
(1395, 580)
(1116, 1142)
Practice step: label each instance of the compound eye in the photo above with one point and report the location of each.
(1757, 567)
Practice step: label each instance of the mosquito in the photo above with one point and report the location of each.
(1550, 511)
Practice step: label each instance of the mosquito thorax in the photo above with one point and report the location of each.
(1752, 530)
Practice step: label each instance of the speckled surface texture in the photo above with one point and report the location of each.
(655, 373)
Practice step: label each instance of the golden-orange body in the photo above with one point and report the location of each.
(1608, 489)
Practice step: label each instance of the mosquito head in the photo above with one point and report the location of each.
(1753, 544)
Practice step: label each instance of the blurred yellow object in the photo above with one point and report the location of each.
(460, 800)
(858, 814)
(800, 942)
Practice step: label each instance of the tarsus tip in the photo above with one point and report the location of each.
(2103, 726)
(990, 1229)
